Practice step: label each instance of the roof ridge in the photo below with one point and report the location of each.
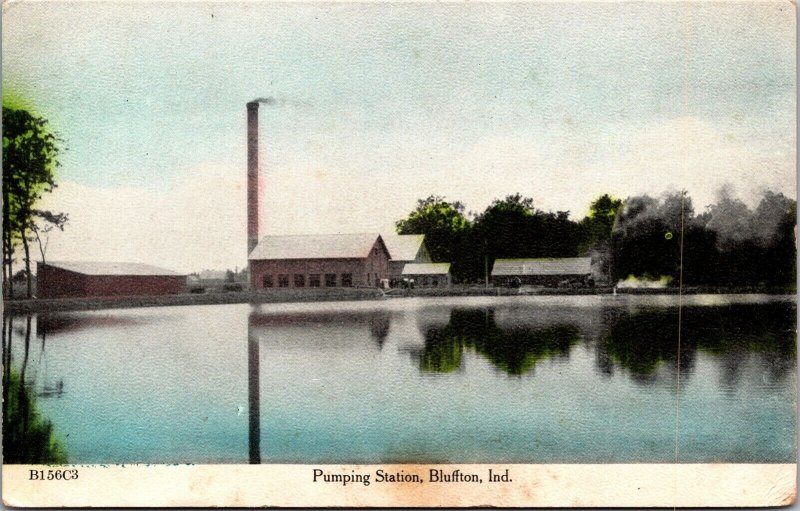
(323, 234)
(95, 261)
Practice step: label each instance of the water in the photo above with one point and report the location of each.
(512, 379)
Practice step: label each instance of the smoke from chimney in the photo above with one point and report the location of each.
(252, 175)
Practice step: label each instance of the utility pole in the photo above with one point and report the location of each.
(485, 263)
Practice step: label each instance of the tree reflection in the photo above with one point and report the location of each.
(379, 327)
(514, 350)
(27, 436)
(642, 341)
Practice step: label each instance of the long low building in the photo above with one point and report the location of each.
(323, 260)
(76, 279)
(427, 274)
(550, 272)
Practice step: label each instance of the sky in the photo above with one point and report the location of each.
(383, 104)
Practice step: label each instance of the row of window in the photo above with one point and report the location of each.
(314, 280)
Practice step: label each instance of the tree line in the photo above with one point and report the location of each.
(30, 157)
(727, 245)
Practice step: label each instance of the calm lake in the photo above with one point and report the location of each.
(579, 379)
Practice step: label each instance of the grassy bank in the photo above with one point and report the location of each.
(342, 294)
(266, 296)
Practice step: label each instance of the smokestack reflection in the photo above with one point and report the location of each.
(253, 391)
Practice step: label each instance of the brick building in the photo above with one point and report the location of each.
(76, 279)
(327, 260)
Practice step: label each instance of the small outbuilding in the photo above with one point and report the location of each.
(405, 249)
(427, 274)
(550, 272)
(78, 279)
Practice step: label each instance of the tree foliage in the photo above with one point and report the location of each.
(511, 227)
(727, 245)
(443, 223)
(30, 157)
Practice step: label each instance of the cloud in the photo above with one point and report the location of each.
(687, 153)
(200, 221)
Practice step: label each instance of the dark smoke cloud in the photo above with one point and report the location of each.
(735, 223)
(643, 213)
(279, 102)
(729, 217)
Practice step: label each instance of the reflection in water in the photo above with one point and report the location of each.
(253, 393)
(379, 327)
(642, 341)
(59, 322)
(260, 323)
(515, 350)
(333, 376)
(376, 321)
(27, 436)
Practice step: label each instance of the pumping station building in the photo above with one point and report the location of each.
(323, 260)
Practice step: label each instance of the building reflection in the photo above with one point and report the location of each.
(61, 322)
(273, 327)
(640, 344)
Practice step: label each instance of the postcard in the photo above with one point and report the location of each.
(371, 254)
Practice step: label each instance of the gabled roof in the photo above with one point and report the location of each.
(426, 269)
(110, 268)
(564, 266)
(314, 246)
(403, 247)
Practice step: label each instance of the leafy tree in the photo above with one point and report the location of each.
(728, 245)
(645, 239)
(443, 223)
(596, 229)
(599, 223)
(30, 157)
(506, 227)
(513, 228)
(44, 222)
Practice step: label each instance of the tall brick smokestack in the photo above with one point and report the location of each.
(252, 176)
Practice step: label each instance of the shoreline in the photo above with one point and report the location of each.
(340, 294)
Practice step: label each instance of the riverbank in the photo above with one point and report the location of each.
(340, 294)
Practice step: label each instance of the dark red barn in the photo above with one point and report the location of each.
(77, 279)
